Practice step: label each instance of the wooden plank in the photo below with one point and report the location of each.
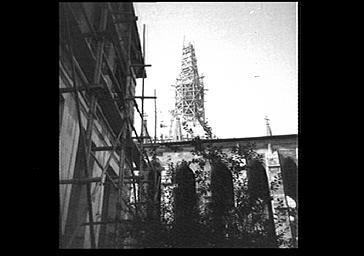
(81, 88)
(140, 65)
(107, 222)
(125, 20)
(141, 97)
(80, 181)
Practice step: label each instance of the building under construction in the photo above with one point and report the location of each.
(105, 176)
(111, 173)
(188, 117)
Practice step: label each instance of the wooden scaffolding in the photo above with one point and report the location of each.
(99, 85)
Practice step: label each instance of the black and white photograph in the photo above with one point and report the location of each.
(178, 125)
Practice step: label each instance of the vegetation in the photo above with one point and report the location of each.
(244, 223)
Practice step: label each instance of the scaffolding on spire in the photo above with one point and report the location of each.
(189, 112)
(269, 131)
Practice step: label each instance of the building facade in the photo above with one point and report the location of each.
(277, 173)
(100, 58)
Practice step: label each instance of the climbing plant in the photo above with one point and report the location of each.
(246, 223)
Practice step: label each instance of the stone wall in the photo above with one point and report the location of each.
(285, 146)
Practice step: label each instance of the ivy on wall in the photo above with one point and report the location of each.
(244, 223)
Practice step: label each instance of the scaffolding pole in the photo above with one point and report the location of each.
(155, 116)
(120, 143)
(87, 139)
(92, 110)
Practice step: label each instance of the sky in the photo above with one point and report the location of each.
(247, 52)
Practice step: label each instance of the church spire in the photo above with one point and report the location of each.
(189, 111)
(269, 131)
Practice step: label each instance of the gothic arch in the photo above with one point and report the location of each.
(289, 175)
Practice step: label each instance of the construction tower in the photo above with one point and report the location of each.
(188, 117)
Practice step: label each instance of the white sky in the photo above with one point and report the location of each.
(234, 42)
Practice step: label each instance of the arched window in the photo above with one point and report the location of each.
(289, 175)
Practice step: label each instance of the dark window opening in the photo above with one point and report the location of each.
(289, 176)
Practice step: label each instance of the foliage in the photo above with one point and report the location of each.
(246, 223)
